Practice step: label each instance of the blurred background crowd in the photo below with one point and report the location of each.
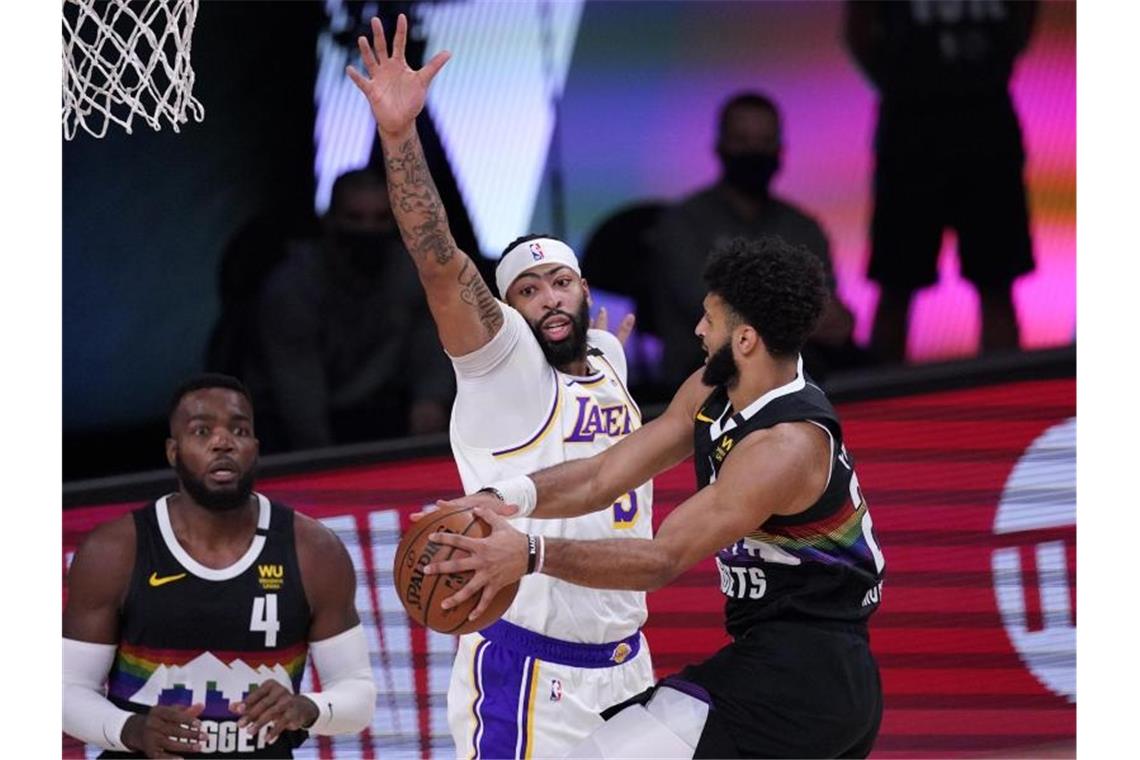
(924, 150)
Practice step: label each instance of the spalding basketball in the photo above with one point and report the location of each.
(422, 594)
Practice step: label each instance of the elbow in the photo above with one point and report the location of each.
(664, 571)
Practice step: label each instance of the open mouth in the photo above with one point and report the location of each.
(557, 328)
(225, 471)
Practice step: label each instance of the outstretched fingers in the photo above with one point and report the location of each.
(432, 67)
(357, 78)
(626, 327)
(400, 39)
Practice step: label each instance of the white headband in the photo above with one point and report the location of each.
(530, 254)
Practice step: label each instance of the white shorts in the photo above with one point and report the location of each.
(517, 694)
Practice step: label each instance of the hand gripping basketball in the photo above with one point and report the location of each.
(498, 560)
(429, 583)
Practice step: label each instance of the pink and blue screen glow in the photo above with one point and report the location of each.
(641, 124)
(641, 84)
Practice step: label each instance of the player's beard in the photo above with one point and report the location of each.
(721, 369)
(573, 346)
(225, 499)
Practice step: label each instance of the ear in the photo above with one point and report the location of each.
(171, 451)
(746, 341)
(586, 290)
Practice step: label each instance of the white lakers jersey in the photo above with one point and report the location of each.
(583, 416)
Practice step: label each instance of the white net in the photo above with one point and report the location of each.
(124, 59)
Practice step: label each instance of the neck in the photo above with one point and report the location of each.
(746, 207)
(578, 367)
(201, 526)
(756, 380)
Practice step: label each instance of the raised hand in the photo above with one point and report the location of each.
(602, 322)
(394, 90)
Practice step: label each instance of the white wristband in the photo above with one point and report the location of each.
(520, 491)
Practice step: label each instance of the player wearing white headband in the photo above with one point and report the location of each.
(535, 387)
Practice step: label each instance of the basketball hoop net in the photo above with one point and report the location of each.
(127, 58)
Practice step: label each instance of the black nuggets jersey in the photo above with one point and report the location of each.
(191, 634)
(822, 563)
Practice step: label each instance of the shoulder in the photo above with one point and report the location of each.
(611, 349)
(109, 541)
(796, 219)
(794, 214)
(105, 558)
(790, 458)
(513, 347)
(313, 538)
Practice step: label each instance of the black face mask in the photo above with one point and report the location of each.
(365, 252)
(750, 173)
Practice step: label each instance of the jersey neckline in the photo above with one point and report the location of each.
(722, 426)
(197, 568)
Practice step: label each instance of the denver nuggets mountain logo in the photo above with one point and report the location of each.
(271, 576)
(723, 449)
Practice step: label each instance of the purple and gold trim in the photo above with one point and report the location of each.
(543, 431)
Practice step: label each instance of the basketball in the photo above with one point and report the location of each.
(422, 595)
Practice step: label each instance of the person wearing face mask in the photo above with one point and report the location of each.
(740, 204)
(348, 351)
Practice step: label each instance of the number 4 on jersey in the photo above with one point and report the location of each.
(264, 618)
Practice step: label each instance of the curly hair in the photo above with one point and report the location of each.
(777, 288)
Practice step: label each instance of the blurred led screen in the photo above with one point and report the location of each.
(973, 495)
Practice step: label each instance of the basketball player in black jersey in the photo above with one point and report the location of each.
(200, 609)
(779, 505)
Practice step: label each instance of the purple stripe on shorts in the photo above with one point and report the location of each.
(502, 674)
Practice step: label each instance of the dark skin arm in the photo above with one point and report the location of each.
(330, 588)
(96, 587)
(782, 470)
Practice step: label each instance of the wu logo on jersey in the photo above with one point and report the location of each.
(270, 576)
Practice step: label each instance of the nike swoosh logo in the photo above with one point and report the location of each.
(703, 418)
(156, 581)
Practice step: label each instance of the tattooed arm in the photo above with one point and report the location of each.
(466, 314)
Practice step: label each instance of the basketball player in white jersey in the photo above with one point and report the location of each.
(535, 387)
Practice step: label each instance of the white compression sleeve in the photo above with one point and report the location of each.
(347, 697)
(87, 714)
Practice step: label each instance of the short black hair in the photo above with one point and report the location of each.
(527, 239)
(203, 381)
(778, 288)
(368, 176)
(746, 98)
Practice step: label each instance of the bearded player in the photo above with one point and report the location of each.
(535, 387)
(200, 609)
(779, 506)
